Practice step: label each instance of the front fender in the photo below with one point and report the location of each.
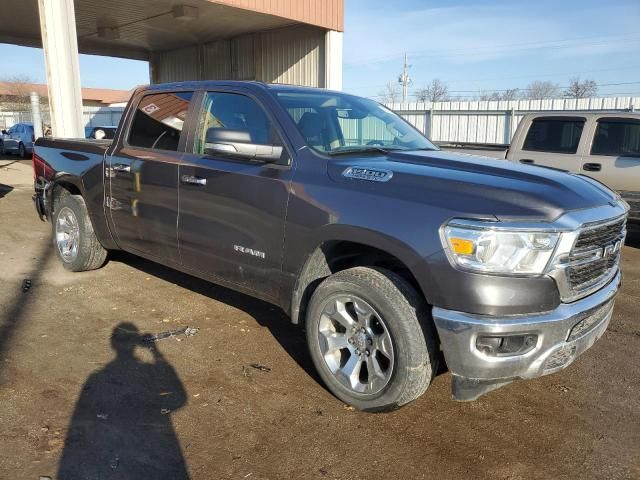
(315, 266)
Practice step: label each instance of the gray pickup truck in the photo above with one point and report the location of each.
(603, 145)
(394, 255)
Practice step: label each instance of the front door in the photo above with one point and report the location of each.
(553, 142)
(232, 210)
(142, 174)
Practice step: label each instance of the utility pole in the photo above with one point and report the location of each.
(404, 79)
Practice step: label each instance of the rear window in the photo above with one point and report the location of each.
(617, 136)
(159, 119)
(557, 135)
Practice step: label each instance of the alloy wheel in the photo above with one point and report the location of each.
(67, 235)
(355, 344)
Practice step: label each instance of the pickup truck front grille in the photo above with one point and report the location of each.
(599, 236)
(595, 255)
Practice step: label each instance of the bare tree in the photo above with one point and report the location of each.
(18, 93)
(581, 88)
(509, 94)
(390, 94)
(436, 91)
(541, 90)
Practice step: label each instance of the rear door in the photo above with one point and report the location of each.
(232, 210)
(551, 141)
(142, 173)
(613, 157)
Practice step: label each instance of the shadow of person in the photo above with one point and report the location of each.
(121, 427)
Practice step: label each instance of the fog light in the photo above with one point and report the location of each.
(506, 345)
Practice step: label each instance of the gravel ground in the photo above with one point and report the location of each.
(82, 394)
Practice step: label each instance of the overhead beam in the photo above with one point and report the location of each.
(58, 29)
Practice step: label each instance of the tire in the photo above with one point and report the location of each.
(397, 342)
(70, 222)
(22, 151)
(2, 150)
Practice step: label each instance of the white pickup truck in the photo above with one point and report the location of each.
(604, 146)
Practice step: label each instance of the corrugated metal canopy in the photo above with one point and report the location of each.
(135, 28)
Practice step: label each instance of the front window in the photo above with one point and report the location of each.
(333, 123)
(231, 121)
(554, 134)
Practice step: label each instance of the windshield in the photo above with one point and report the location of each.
(336, 123)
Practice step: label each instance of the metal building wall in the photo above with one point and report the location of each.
(288, 55)
(294, 55)
(175, 65)
(494, 122)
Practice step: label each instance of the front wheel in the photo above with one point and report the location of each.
(73, 237)
(371, 338)
(22, 151)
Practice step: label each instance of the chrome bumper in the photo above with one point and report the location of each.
(558, 343)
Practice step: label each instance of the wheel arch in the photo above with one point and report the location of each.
(67, 183)
(348, 248)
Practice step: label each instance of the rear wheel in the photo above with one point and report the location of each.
(371, 338)
(73, 237)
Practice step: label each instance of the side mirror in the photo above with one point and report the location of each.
(4, 132)
(237, 143)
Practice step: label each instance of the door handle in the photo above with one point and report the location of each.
(527, 161)
(191, 180)
(592, 167)
(122, 168)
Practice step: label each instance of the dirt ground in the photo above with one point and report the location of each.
(72, 360)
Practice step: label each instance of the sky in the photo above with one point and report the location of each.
(471, 45)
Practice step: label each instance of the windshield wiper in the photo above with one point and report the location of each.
(367, 149)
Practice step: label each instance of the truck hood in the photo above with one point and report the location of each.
(471, 186)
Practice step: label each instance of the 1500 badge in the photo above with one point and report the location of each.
(370, 174)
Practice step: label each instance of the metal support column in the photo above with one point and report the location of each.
(36, 118)
(509, 122)
(333, 60)
(428, 123)
(60, 43)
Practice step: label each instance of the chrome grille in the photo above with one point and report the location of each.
(595, 254)
(599, 236)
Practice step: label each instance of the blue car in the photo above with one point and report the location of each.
(18, 139)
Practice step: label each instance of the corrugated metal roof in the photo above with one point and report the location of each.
(322, 13)
(134, 28)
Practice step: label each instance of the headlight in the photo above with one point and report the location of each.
(498, 251)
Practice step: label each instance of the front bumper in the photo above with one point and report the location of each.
(562, 335)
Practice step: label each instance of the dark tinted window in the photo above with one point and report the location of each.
(230, 111)
(159, 119)
(617, 137)
(558, 135)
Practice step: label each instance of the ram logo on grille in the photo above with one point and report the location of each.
(612, 249)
